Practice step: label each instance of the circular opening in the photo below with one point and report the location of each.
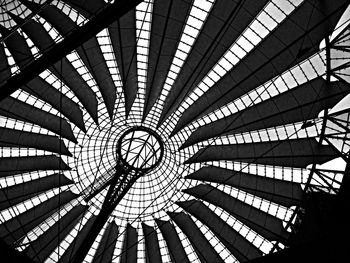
(140, 148)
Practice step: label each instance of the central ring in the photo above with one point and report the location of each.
(140, 148)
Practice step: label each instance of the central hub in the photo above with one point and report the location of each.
(140, 148)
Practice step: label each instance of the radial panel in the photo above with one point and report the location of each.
(87, 8)
(298, 104)
(241, 248)
(129, 252)
(17, 227)
(168, 19)
(292, 153)
(104, 252)
(17, 46)
(13, 138)
(18, 193)
(52, 14)
(176, 250)
(42, 90)
(204, 251)
(263, 223)
(278, 191)
(62, 69)
(291, 42)
(92, 57)
(89, 52)
(22, 55)
(19, 110)
(17, 165)
(74, 246)
(152, 245)
(226, 22)
(41, 248)
(123, 37)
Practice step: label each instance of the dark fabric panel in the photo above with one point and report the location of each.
(87, 8)
(204, 251)
(168, 19)
(302, 103)
(18, 193)
(16, 165)
(19, 110)
(266, 225)
(92, 56)
(18, 226)
(279, 51)
(5, 71)
(226, 21)
(17, 46)
(41, 248)
(175, 248)
(89, 52)
(240, 247)
(35, 31)
(104, 252)
(59, 20)
(152, 246)
(78, 240)
(54, 16)
(63, 69)
(292, 153)
(21, 53)
(77, 84)
(278, 191)
(42, 90)
(129, 252)
(13, 138)
(123, 37)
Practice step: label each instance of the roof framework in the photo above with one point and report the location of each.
(248, 98)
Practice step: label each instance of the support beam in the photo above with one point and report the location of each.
(111, 13)
(118, 187)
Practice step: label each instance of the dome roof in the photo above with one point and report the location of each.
(200, 124)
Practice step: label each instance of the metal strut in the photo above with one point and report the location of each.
(119, 185)
(103, 19)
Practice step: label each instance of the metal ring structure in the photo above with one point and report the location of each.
(142, 142)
